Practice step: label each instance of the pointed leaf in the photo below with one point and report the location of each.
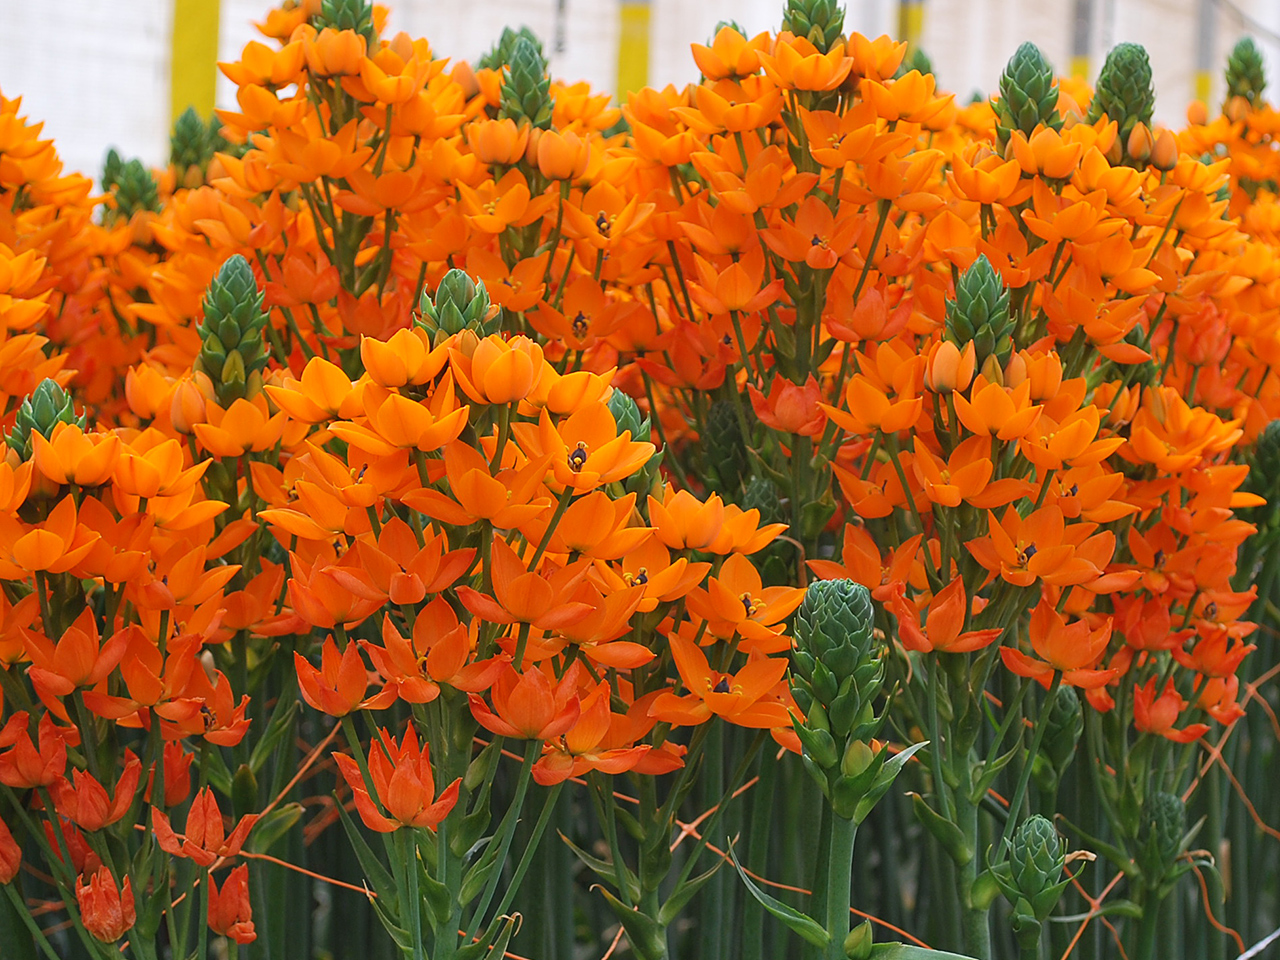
(884, 780)
(648, 938)
(804, 925)
(604, 869)
(683, 894)
(378, 876)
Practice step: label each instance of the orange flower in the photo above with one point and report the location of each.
(333, 53)
(107, 911)
(1043, 547)
(204, 841)
(796, 64)
(526, 596)
(507, 500)
(10, 855)
(580, 750)
(244, 426)
(947, 612)
(1073, 650)
(56, 545)
(994, 410)
(683, 521)
(861, 562)
(563, 155)
(495, 370)
(393, 567)
(814, 237)
(593, 526)
(85, 802)
(397, 422)
(731, 55)
(436, 653)
(406, 357)
(497, 141)
(70, 456)
(230, 914)
(151, 465)
(338, 686)
(403, 782)
(79, 659)
(321, 394)
(736, 288)
(526, 706)
(736, 602)
(605, 215)
(585, 448)
(24, 766)
(1158, 714)
(742, 698)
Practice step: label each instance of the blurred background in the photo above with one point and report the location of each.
(105, 73)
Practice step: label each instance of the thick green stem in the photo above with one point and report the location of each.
(839, 884)
(975, 925)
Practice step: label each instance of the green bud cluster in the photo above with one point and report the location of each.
(821, 22)
(131, 185)
(726, 448)
(837, 675)
(980, 312)
(48, 406)
(194, 142)
(233, 351)
(500, 54)
(626, 414)
(1246, 76)
(1032, 877)
(354, 15)
(460, 304)
(1028, 95)
(1124, 92)
(762, 494)
(1161, 833)
(1064, 726)
(526, 89)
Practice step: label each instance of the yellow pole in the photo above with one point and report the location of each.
(193, 70)
(911, 21)
(633, 46)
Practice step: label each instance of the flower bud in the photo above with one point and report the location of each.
(1164, 152)
(1123, 92)
(1139, 143)
(460, 304)
(1028, 95)
(1036, 860)
(821, 22)
(1163, 825)
(949, 367)
(48, 406)
(857, 757)
(233, 352)
(107, 911)
(526, 91)
(1246, 76)
(857, 945)
(980, 312)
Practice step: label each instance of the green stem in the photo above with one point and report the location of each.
(23, 911)
(1015, 803)
(839, 884)
(526, 859)
(409, 855)
(504, 834)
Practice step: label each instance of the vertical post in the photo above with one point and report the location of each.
(1081, 31)
(193, 71)
(1206, 30)
(911, 22)
(636, 18)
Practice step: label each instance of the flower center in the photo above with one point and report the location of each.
(578, 457)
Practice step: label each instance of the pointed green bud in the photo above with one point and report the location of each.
(233, 352)
(980, 312)
(821, 22)
(1065, 724)
(460, 303)
(526, 91)
(857, 757)
(188, 143)
(837, 661)
(500, 54)
(858, 944)
(1163, 825)
(111, 169)
(627, 415)
(726, 448)
(48, 406)
(1028, 95)
(1246, 76)
(1036, 861)
(1124, 92)
(762, 494)
(354, 15)
(132, 187)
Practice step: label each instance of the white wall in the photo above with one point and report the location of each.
(97, 71)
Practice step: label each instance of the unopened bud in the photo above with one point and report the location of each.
(1138, 146)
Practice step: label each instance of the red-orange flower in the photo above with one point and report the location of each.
(1071, 649)
(527, 706)
(205, 841)
(230, 913)
(403, 782)
(106, 911)
(1158, 714)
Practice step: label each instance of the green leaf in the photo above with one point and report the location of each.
(808, 928)
(683, 894)
(904, 951)
(604, 869)
(499, 934)
(648, 937)
(278, 728)
(377, 875)
(944, 831)
(273, 826)
(884, 780)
